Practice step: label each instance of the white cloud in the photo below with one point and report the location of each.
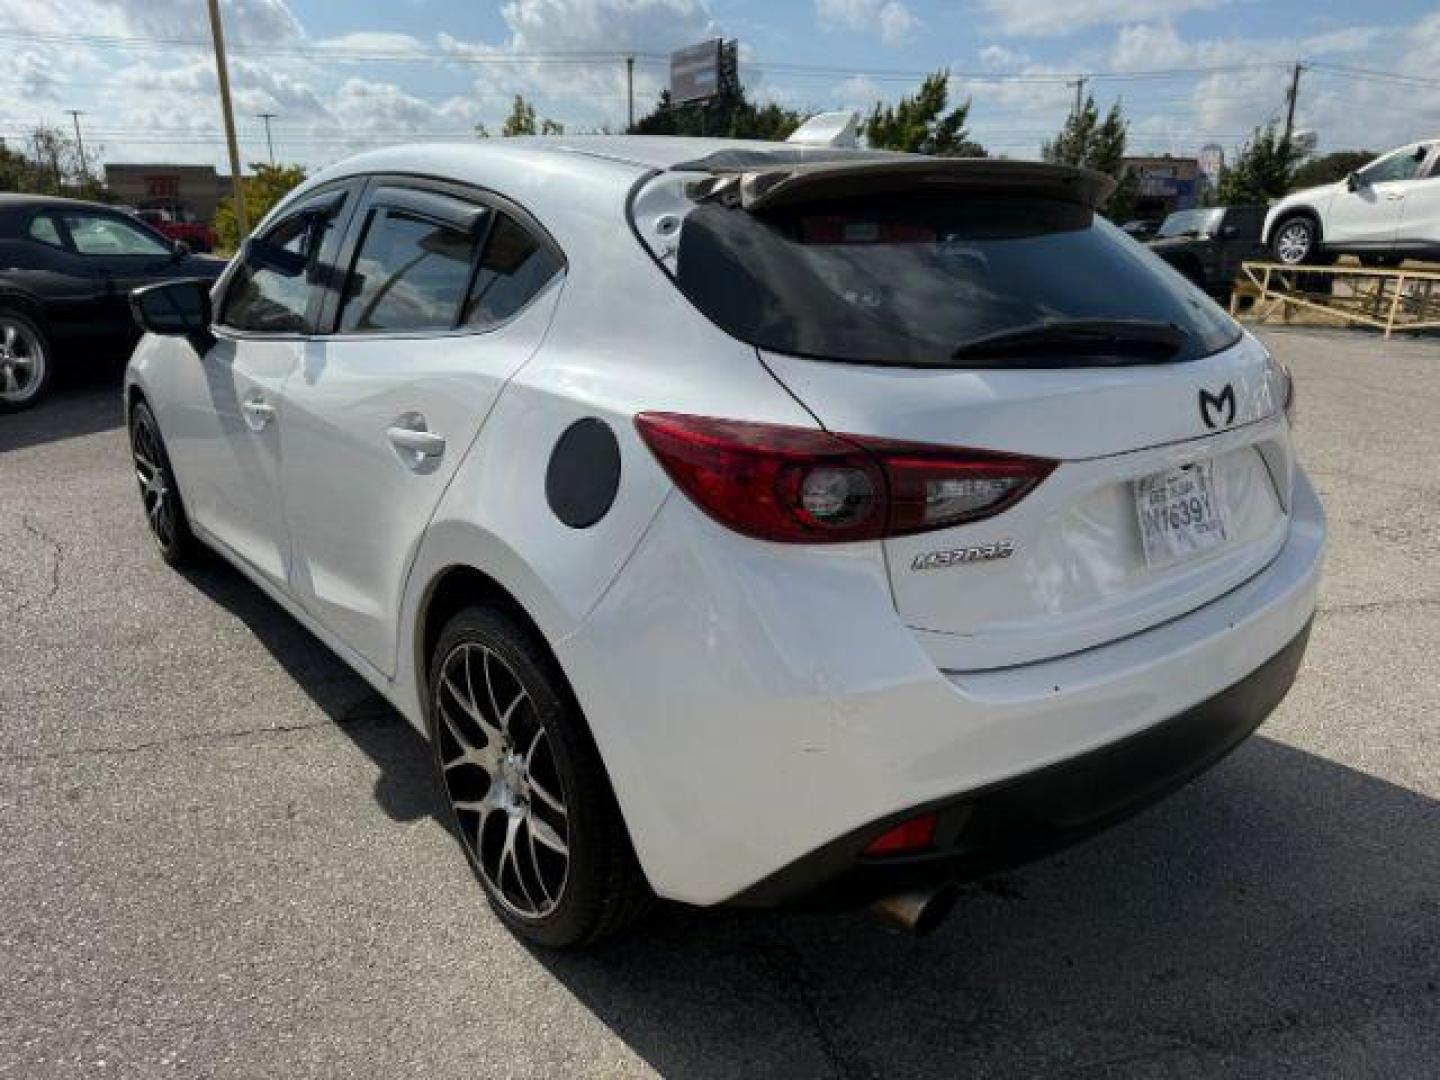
(1056, 18)
(374, 42)
(891, 19)
(1001, 57)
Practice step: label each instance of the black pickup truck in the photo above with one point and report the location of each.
(1208, 245)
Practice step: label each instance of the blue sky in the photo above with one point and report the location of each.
(342, 76)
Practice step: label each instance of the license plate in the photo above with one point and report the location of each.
(1181, 513)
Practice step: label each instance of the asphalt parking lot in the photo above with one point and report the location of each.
(221, 854)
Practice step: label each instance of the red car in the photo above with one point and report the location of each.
(179, 224)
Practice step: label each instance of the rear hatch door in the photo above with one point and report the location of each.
(1067, 567)
(989, 306)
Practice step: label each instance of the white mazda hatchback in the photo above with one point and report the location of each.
(743, 523)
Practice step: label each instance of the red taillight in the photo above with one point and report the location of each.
(913, 835)
(796, 485)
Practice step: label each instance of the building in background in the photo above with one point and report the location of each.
(1165, 184)
(187, 192)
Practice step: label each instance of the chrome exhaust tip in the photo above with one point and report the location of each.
(920, 911)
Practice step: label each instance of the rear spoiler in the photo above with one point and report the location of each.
(762, 188)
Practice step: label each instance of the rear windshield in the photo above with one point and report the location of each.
(907, 281)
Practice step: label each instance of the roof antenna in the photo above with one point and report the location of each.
(837, 129)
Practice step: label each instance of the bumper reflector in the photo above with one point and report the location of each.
(912, 835)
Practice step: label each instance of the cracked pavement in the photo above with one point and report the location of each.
(220, 853)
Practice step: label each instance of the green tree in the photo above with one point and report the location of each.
(728, 116)
(1264, 170)
(50, 164)
(521, 121)
(920, 124)
(1331, 167)
(1088, 141)
(264, 187)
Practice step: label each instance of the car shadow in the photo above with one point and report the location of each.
(1274, 907)
(84, 401)
(405, 787)
(1280, 899)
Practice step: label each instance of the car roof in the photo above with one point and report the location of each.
(16, 200)
(592, 153)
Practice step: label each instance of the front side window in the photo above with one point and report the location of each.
(94, 234)
(410, 273)
(273, 299)
(515, 267)
(1401, 165)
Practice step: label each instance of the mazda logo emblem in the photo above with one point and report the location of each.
(1218, 410)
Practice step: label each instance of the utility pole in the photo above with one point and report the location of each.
(1290, 101)
(75, 115)
(242, 220)
(1079, 85)
(630, 89)
(270, 146)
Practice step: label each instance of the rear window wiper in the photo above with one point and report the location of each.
(1099, 341)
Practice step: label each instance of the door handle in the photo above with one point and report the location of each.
(420, 442)
(258, 412)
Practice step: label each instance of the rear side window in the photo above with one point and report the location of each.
(410, 273)
(96, 234)
(43, 229)
(1246, 221)
(905, 281)
(514, 268)
(272, 298)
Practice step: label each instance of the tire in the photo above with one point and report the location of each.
(1296, 241)
(531, 805)
(159, 494)
(27, 365)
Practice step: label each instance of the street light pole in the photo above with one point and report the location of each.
(242, 220)
(630, 89)
(270, 146)
(1290, 101)
(75, 115)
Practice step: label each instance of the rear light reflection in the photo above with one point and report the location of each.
(798, 485)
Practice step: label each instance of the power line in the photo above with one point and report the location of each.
(595, 57)
(1371, 74)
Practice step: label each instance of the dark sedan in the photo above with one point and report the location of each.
(66, 272)
(1208, 245)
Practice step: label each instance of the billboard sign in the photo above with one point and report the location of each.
(695, 72)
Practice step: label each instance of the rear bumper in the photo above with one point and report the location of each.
(758, 704)
(1017, 820)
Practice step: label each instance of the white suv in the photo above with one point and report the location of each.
(743, 524)
(1383, 213)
